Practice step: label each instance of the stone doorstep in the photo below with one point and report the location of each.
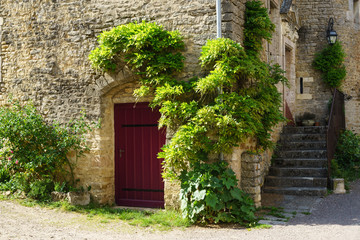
(298, 191)
(302, 137)
(297, 172)
(300, 162)
(303, 145)
(139, 208)
(302, 154)
(305, 130)
(273, 181)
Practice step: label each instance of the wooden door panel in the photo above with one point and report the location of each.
(138, 179)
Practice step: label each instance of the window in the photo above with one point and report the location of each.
(354, 9)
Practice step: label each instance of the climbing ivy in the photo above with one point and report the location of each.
(330, 61)
(236, 100)
(207, 115)
(258, 26)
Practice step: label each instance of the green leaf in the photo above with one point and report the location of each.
(236, 194)
(199, 195)
(211, 200)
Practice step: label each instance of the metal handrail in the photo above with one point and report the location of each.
(336, 124)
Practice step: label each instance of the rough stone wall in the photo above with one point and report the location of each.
(312, 38)
(253, 171)
(233, 19)
(44, 49)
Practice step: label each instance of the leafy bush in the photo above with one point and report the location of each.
(4, 174)
(210, 114)
(347, 157)
(33, 151)
(209, 194)
(348, 149)
(41, 189)
(330, 61)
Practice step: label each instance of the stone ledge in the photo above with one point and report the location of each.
(305, 96)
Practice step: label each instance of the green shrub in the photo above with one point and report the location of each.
(34, 151)
(348, 150)
(346, 162)
(330, 61)
(4, 174)
(210, 114)
(41, 189)
(209, 194)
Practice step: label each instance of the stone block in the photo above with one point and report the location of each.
(339, 186)
(304, 96)
(308, 79)
(58, 196)
(252, 190)
(79, 198)
(251, 158)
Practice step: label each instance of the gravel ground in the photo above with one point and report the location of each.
(334, 217)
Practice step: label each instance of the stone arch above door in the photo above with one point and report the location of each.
(113, 88)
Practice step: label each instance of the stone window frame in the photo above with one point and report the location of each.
(354, 11)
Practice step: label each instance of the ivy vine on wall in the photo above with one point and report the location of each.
(238, 98)
(330, 61)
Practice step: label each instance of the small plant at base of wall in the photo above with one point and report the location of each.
(346, 162)
(33, 152)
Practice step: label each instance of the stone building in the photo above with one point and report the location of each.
(312, 38)
(44, 58)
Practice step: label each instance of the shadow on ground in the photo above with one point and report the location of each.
(343, 209)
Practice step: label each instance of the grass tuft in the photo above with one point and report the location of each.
(159, 219)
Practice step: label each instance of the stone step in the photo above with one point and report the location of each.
(284, 138)
(297, 172)
(302, 145)
(303, 191)
(273, 181)
(300, 162)
(301, 154)
(306, 130)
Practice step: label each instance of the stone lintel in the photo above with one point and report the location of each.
(305, 96)
(308, 79)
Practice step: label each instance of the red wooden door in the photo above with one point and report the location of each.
(138, 179)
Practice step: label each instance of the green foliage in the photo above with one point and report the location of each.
(348, 149)
(41, 189)
(258, 26)
(151, 51)
(209, 194)
(330, 61)
(346, 162)
(227, 111)
(4, 174)
(34, 152)
(208, 115)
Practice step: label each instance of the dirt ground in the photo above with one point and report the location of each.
(334, 217)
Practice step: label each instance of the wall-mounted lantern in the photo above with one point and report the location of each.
(331, 34)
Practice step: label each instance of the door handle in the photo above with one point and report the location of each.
(120, 152)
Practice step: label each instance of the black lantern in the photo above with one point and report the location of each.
(331, 33)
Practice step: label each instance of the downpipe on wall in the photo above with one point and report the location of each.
(218, 35)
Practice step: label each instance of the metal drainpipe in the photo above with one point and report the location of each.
(218, 35)
(218, 18)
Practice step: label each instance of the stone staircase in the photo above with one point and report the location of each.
(299, 163)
